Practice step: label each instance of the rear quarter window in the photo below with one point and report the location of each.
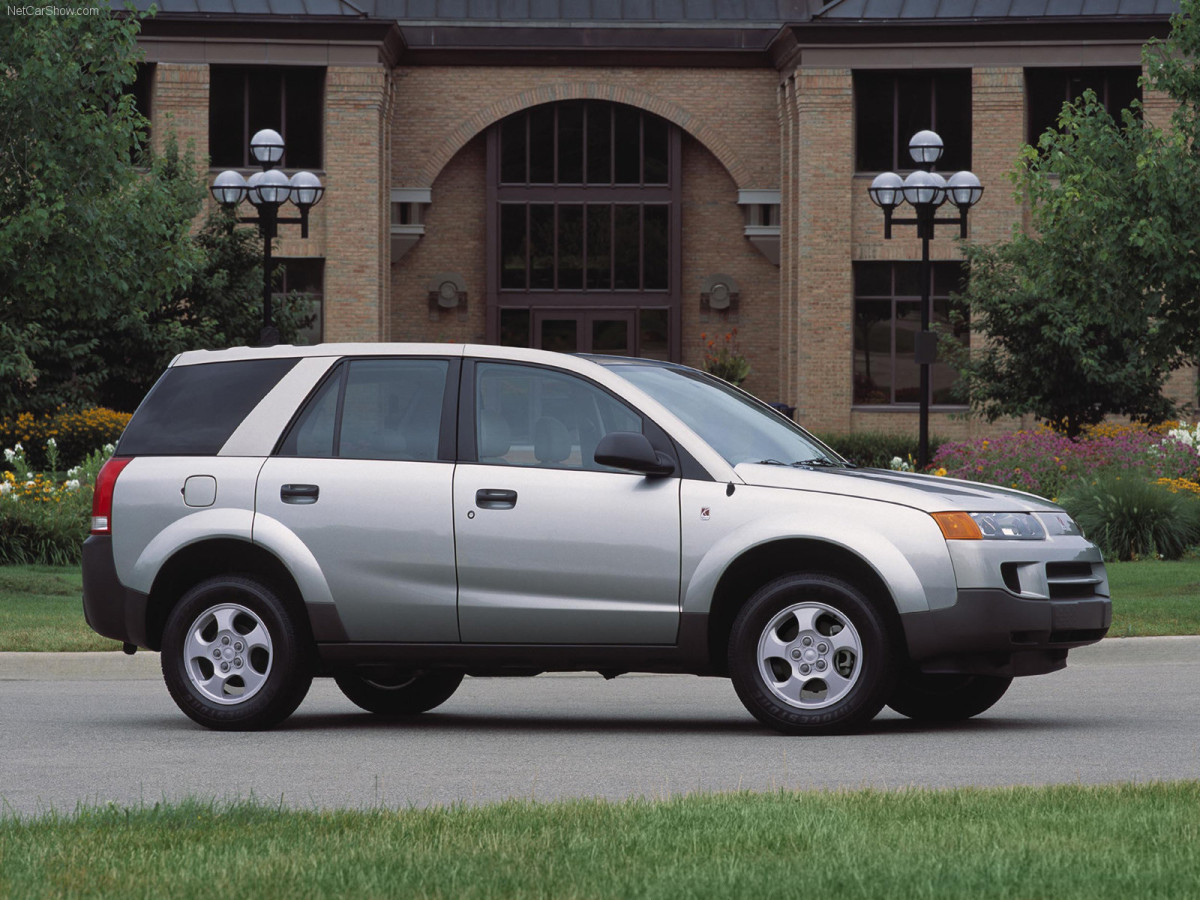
(193, 410)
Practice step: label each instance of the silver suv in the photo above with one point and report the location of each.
(399, 515)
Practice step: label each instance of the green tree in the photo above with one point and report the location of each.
(1087, 312)
(220, 306)
(87, 243)
(101, 280)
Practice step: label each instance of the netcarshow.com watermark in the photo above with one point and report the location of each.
(53, 10)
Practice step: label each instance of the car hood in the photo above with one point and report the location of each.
(925, 492)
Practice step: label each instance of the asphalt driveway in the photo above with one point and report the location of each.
(100, 727)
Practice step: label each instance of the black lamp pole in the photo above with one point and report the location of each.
(925, 191)
(268, 190)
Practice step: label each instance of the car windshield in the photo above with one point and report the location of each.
(732, 422)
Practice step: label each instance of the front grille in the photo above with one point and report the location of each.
(1071, 580)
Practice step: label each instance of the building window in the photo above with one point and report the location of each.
(584, 229)
(887, 316)
(890, 107)
(584, 247)
(142, 91)
(246, 99)
(306, 276)
(1046, 90)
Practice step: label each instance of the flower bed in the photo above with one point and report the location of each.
(44, 520)
(73, 434)
(1045, 463)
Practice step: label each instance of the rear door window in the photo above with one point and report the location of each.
(375, 409)
(193, 410)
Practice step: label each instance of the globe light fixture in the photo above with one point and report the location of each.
(267, 147)
(307, 190)
(267, 191)
(925, 191)
(964, 189)
(925, 148)
(273, 187)
(887, 190)
(229, 188)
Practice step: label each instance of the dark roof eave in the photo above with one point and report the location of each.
(570, 46)
(572, 57)
(383, 32)
(990, 30)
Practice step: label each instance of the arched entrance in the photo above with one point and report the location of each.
(584, 232)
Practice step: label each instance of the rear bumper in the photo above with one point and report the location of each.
(993, 632)
(110, 608)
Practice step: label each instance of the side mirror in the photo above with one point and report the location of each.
(631, 450)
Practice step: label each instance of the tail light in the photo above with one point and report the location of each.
(102, 497)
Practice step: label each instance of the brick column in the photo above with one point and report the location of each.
(355, 207)
(180, 105)
(820, 271)
(997, 134)
(788, 310)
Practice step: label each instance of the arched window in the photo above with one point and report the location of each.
(584, 230)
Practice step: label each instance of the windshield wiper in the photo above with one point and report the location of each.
(768, 462)
(824, 463)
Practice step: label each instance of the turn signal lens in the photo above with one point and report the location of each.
(102, 499)
(957, 526)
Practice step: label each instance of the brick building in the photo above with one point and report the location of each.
(626, 176)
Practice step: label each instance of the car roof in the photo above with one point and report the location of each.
(367, 348)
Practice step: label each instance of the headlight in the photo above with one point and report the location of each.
(963, 526)
(1060, 524)
(1009, 526)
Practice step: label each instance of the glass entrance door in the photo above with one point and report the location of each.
(584, 331)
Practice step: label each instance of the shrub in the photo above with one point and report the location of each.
(76, 433)
(1130, 517)
(875, 449)
(41, 522)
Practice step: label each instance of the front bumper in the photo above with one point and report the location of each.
(110, 608)
(992, 632)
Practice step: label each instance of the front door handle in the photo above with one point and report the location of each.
(495, 498)
(300, 494)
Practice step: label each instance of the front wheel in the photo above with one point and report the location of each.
(946, 698)
(405, 694)
(809, 654)
(233, 656)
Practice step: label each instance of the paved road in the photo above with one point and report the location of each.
(100, 727)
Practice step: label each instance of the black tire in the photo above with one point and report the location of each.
(946, 698)
(802, 616)
(406, 694)
(242, 624)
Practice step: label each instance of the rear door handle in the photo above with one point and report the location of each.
(495, 498)
(300, 494)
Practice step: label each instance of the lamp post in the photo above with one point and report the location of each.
(267, 191)
(925, 190)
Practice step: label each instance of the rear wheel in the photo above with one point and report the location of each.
(233, 657)
(403, 694)
(946, 698)
(809, 654)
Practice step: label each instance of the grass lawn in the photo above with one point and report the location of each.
(40, 606)
(1071, 841)
(41, 609)
(1155, 597)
